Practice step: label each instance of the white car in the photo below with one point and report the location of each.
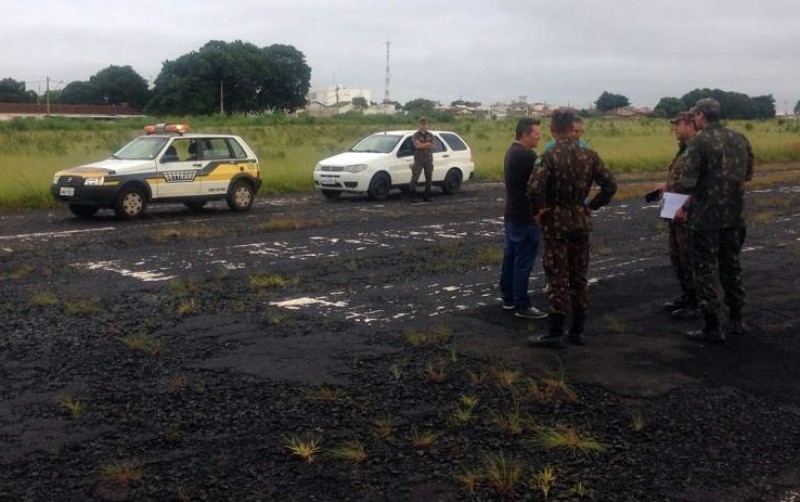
(165, 165)
(382, 161)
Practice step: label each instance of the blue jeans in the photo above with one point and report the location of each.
(519, 255)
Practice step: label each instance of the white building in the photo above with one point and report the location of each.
(338, 94)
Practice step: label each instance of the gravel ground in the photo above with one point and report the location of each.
(180, 356)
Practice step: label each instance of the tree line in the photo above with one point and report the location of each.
(234, 78)
(241, 78)
(735, 105)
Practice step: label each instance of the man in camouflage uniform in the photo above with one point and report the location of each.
(717, 164)
(423, 159)
(680, 251)
(558, 190)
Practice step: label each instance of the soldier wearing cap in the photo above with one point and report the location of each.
(684, 306)
(423, 159)
(717, 164)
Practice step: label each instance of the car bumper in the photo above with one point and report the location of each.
(346, 182)
(83, 195)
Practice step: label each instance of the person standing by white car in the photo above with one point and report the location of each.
(423, 160)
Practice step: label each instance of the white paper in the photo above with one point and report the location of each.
(671, 202)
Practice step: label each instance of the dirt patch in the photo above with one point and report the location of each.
(380, 328)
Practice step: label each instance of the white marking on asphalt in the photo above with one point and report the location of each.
(296, 303)
(110, 266)
(65, 233)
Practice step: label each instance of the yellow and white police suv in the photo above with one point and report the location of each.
(167, 164)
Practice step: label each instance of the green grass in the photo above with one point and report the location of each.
(31, 151)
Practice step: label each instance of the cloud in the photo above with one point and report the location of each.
(557, 52)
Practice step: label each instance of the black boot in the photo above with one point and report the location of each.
(735, 325)
(554, 338)
(710, 332)
(677, 303)
(689, 310)
(576, 330)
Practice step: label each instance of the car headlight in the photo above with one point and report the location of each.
(355, 168)
(97, 181)
(55, 179)
(318, 167)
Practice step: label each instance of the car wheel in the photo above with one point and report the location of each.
(452, 181)
(332, 194)
(379, 187)
(131, 203)
(82, 211)
(240, 197)
(195, 206)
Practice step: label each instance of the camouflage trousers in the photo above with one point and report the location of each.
(565, 260)
(416, 169)
(680, 254)
(715, 260)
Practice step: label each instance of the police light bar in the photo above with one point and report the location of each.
(166, 128)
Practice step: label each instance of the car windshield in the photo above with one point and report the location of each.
(377, 143)
(144, 148)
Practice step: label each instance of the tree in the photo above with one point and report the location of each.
(735, 105)
(235, 77)
(669, 107)
(608, 101)
(419, 107)
(219, 76)
(121, 84)
(797, 108)
(468, 104)
(81, 92)
(287, 80)
(12, 91)
(360, 103)
(765, 106)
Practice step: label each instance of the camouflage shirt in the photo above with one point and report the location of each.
(561, 182)
(423, 156)
(676, 167)
(717, 162)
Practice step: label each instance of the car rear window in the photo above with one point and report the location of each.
(236, 148)
(216, 149)
(454, 141)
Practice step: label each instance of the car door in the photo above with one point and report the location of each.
(441, 158)
(402, 162)
(222, 157)
(177, 169)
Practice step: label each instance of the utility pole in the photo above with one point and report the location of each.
(47, 95)
(386, 90)
(221, 99)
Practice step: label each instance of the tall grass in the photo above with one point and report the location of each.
(32, 150)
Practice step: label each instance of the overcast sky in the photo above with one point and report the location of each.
(556, 51)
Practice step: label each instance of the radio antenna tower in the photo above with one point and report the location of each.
(386, 90)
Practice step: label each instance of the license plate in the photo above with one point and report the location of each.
(327, 183)
(67, 191)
